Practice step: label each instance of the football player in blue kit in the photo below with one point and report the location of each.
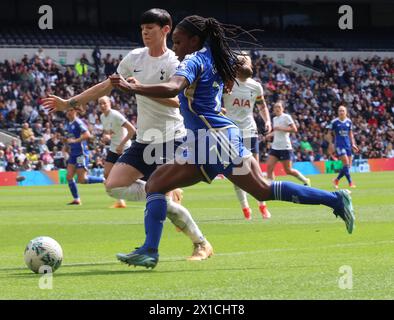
(214, 142)
(344, 143)
(76, 136)
(159, 126)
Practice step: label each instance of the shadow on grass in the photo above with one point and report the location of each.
(25, 271)
(131, 270)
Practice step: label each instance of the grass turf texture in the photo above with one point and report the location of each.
(295, 255)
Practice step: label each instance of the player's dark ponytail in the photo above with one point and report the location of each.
(214, 33)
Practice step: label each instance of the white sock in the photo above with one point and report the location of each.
(134, 192)
(301, 177)
(177, 213)
(262, 203)
(242, 197)
(182, 218)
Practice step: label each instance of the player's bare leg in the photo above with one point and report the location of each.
(71, 170)
(255, 184)
(243, 200)
(346, 161)
(165, 178)
(248, 177)
(82, 178)
(335, 183)
(119, 203)
(176, 195)
(262, 205)
(124, 182)
(173, 176)
(287, 165)
(271, 163)
(351, 184)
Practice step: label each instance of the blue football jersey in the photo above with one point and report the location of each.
(74, 130)
(342, 130)
(201, 101)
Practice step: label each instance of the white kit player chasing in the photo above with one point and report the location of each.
(159, 124)
(281, 148)
(121, 131)
(239, 105)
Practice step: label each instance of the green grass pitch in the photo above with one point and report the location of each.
(295, 255)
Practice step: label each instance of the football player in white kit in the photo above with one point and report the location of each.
(120, 131)
(159, 124)
(281, 148)
(239, 105)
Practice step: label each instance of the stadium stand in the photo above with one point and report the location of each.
(292, 37)
(24, 37)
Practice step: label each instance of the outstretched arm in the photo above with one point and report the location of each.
(168, 89)
(55, 103)
(169, 102)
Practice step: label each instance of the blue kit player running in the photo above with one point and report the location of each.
(76, 136)
(159, 125)
(344, 143)
(209, 63)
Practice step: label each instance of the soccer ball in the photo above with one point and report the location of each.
(43, 255)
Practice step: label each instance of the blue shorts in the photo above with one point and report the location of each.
(216, 152)
(147, 157)
(252, 144)
(282, 155)
(112, 157)
(79, 161)
(341, 151)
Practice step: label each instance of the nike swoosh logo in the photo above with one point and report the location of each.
(135, 70)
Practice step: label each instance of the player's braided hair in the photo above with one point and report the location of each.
(214, 33)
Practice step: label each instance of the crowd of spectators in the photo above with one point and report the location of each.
(23, 84)
(364, 86)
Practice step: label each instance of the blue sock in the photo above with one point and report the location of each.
(73, 188)
(292, 192)
(347, 174)
(94, 179)
(155, 215)
(341, 173)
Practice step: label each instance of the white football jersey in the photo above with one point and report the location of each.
(240, 103)
(282, 139)
(155, 122)
(113, 124)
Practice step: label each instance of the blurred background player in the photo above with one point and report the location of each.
(344, 143)
(159, 122)
(281, 148)
(121, 131)
(239, 105)
(76, 136)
